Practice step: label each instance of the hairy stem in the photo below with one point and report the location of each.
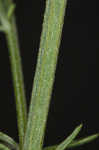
(8, 26)
(45, 72)
(16, 69)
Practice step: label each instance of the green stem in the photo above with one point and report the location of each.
(9, 28)
(45, 73)
(16, 68)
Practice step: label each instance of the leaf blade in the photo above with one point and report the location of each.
(8, 140)
(3, 147)
(83, 141)
(69, 139)
(76, 143)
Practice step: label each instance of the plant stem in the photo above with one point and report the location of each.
(45, 72)
(16, 68)
(9, 28)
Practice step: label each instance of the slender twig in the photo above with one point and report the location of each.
(45, 72)
(9, 25)
(17, 80)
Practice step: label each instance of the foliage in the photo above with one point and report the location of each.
(31, 132)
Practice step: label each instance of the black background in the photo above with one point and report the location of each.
(75, 97)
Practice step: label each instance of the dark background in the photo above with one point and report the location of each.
(75, 97)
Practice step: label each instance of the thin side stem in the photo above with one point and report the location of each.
(9, 28)
(45, 73)
(16, 69)
(8, 24)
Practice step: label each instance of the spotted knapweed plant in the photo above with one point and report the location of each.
(31, 126)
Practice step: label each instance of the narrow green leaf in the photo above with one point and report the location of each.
(76, 143)
(45, 73)
(3, 147)
(11, 10)
(83, 141)
(8, 140)
(69, 139)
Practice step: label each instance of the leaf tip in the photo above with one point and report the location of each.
(80, 126)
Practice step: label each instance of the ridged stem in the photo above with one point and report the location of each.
(18, 82)
(45, 73)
